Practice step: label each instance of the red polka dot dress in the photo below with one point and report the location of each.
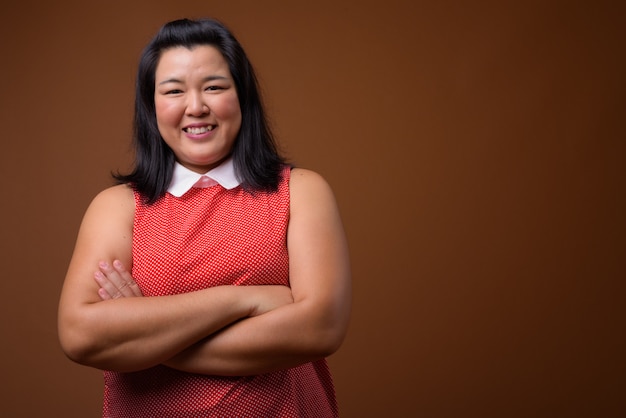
(209, 237)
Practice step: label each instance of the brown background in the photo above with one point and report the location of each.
(477, 150)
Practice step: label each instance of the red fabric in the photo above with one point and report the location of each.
(205, 238)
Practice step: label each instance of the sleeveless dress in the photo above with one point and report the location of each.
(209, 237)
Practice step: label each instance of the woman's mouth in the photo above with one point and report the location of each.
(197, 130)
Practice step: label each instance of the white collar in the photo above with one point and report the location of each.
(184, 179)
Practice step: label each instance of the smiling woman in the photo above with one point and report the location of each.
(214, 280)
(197, 108)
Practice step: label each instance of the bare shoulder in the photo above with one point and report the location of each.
(114, 202)
(121, 193)
(106, 230)
(309, 190)
(304, 181)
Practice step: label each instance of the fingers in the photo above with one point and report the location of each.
(115, 281)
(129, 287)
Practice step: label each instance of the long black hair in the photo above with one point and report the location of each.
(256, 158)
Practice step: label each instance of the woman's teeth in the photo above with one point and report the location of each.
(199, 130)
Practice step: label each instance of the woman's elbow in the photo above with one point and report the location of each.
(76, 341)
(330, 336)
(334, 341)
(76, 347)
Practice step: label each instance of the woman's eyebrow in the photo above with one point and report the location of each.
(215, 77)
(170, 80)
(205, 79)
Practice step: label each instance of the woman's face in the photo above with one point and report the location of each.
(197, 108)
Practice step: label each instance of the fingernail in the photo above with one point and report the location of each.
(103, 264)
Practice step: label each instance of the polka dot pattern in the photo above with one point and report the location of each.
(211, 237)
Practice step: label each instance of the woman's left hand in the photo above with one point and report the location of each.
(115, 281)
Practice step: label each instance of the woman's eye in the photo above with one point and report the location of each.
(173, 91)
(215, 88)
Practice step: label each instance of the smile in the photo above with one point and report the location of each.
(196, 130)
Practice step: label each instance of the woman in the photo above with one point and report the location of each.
(216, 295)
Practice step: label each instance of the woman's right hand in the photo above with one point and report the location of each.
(115, 281)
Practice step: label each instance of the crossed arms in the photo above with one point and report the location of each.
(105, 322)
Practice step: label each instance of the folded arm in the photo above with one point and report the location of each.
(312, 327)
(133, 333)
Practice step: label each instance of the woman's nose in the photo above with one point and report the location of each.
(197, 106)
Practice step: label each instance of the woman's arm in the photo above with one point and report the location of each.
(133, 333)
(314, 325)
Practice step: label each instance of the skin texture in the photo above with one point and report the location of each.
(105, 322)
